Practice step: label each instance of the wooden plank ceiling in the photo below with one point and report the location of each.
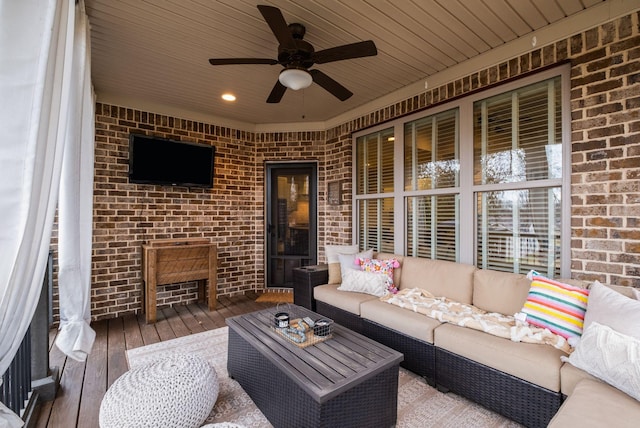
(156, 52)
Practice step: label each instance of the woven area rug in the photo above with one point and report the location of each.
(419, 405)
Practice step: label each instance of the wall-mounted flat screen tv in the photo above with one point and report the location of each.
(154, 160)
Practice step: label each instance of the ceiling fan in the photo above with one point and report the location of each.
(297, 56)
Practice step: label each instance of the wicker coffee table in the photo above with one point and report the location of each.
(345, 381)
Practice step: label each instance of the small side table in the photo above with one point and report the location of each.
(304, 280)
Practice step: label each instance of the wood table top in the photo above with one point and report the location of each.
(324, 369)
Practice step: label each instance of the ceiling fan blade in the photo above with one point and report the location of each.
(232, 61)
(276, 93)
(336, 89)
(353, 50)
(278, 25)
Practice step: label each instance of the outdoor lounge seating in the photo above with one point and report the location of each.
(526, 382)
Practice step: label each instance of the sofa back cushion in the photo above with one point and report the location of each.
(630, 292)
(608, 307)
(439, 277)
(332, 252)
(501, 292)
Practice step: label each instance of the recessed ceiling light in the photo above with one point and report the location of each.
(228, 97)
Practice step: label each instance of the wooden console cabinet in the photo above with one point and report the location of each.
(174, 261)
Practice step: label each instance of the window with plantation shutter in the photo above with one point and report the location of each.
(376, 224)
(517, 150)
(374, 179)
(431, 152)
(431, 162)
(480, 180)
(517, 135)
(518, 230)
(432, 230)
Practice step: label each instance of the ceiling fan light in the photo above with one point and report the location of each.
(295, 78)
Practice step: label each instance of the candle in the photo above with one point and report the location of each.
(282, 320)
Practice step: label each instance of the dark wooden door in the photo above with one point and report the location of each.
(291, 238)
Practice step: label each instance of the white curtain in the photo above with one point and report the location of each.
(37, 109)
(75, 209)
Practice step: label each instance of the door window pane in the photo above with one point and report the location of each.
(293, 215)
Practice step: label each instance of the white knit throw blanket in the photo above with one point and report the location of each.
(447, 310)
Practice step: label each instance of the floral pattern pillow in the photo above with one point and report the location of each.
(383, 267)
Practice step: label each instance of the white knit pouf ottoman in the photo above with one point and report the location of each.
(177, 391)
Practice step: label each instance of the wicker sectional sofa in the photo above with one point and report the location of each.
(522, 381)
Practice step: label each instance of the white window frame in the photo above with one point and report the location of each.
(467, 189)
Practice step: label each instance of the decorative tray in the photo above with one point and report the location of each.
(321, 331)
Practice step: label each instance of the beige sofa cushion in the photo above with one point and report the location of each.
(403, 320)
(596, 404)
(538, 364)
(332, 252)
(345, 300)
(630, 292)
(570, 376)
(608, 307)
(575, 282)
(501, 292)
(439, 277)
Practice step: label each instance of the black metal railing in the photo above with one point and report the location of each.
(29, 379)
(16, 382)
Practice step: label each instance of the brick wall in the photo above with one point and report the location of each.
(605, 138)
(288, 147)
(605, 101)
(605, 104)
(126, 214)
(231, 214)
(337, 221)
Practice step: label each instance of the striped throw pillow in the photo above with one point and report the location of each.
(556, 306)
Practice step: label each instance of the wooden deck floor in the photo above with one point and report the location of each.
(82, 385)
